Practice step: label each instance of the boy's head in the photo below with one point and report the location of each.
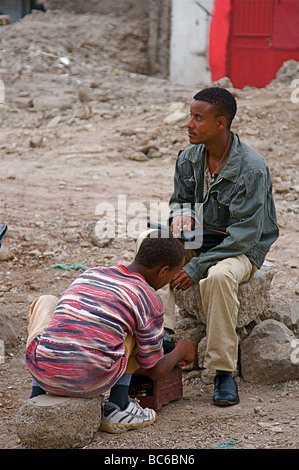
(162, 255)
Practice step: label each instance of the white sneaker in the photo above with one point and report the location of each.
(115, 420)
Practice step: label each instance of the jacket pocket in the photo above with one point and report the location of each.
(189, 181)
(216, 211)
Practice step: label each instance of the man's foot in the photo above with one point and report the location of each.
(168, 343)
(115, 420)
(226, 390)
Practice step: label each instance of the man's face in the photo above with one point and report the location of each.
(203, 126)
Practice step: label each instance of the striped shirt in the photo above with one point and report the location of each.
(81, 352)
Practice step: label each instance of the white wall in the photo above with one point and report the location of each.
(190, 24)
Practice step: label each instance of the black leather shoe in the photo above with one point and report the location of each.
(225, 391)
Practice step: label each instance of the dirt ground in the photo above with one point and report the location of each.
(83, 125)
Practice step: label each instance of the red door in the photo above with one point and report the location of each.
(285, 32)
(250, 47)
(262, 35)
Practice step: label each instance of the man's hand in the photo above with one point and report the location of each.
(181, 281)
(181, 223)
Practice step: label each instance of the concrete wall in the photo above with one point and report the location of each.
(159, 37)
(16, 9)
(189, 44)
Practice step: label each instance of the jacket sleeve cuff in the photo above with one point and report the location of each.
(195, 272)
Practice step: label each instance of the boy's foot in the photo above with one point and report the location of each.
(115, 420)
(36, 391)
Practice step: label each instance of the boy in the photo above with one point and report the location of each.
(106, 325)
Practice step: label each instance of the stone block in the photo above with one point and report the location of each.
(55, 422)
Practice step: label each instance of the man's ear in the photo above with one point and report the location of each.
(163, 271)
(222, 123)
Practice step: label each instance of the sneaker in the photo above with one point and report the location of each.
(115, 420)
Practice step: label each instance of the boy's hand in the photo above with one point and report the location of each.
(183, 351)
(188, 351)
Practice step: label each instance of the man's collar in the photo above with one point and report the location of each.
(231, 169)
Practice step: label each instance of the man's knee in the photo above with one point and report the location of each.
(219, 275)
(238, 269)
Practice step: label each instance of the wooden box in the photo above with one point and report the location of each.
(156, 393)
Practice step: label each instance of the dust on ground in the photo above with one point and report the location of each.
(82, 124)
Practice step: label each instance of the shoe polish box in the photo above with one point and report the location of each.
(156, 393)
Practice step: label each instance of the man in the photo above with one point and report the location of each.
(106, 325)
(230, 183)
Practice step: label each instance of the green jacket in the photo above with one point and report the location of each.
(240, 202)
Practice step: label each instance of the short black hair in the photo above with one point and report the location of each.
(222, 99)
(160, 248)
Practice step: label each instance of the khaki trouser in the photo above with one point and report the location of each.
(40, 313)
(219, 295)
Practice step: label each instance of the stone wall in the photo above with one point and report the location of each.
(131, 8)
(159, 37)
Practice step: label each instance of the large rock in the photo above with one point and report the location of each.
(8, 333)
(4, 20)
(269, 354)
(291, 318)
(54, 422)
(100, 233)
